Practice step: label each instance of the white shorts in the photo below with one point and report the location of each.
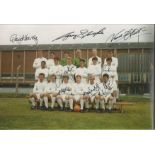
(77, 97)
(107, 97)
(64, 97)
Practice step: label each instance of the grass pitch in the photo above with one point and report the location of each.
(15, 113)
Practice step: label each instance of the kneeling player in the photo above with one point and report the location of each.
(107, 88)
(64, 92)
(78, 92)
(38, 90)
(92, 94)
(50, 92)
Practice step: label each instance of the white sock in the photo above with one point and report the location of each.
(97, 103)
(87, 104)
(32, 100)
(46, 101)
(66, 103)
(81, 104)
(53, 102)
(110, 104)
(102, 104)
(71, 104)
(41, 101)
(60, 103)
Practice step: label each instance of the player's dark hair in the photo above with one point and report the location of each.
(42, 74)
(82, 60)
(95, 58)
(43, 62)
(105, 75)
(109, 59)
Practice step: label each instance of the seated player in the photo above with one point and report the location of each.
(70, 70)
(57, 69)
(50, 93)
(78, 92)
(83, 71)
(95, 69)
(107, 90)
(38, 90)
(43, 70)
(64, 92)
(92, 94)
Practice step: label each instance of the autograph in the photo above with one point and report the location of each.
(16, 38)
(83, 34)
(126, 34)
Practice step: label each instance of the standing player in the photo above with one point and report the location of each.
(50, 61)
(114, 59)
(110, 69)
(83, 71)
(107, 93)
(70, 70)
(94, 54)
(64, 93)
(38, 60)
(57, 69)
(38, 90)
(95, 69)
(78, 92)
(50, 93)
(43, 70)
(78, 56)
(92, 94)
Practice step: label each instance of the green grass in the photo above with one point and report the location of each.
(15, 113)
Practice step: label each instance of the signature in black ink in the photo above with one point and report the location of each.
(83, 33)
(126, 34)
(20, 38)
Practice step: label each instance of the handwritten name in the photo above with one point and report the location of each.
(14, 38)
(82, 34)
(126, 34)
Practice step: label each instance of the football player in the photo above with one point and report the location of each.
(38, 90)
(70, 70)
(64, 93)
(50, 93)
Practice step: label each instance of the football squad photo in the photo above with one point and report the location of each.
(60, 77)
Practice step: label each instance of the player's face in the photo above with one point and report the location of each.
(53, 78)
(94, 62)
(109, 62)
(78, 53)
(94, 52)
(69, 61)
(41, 78)
(78, 79)
(43, 64)
(105, 79)
(82, 64)
(91, 79)
(65, 80)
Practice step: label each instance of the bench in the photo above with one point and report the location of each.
(120, 105)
